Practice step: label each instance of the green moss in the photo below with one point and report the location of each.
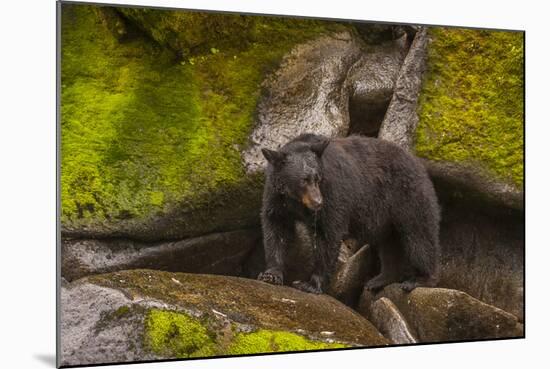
(275, 341)
(144, 129)
(471, 104)
(177, 335)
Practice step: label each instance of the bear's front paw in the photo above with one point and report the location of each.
(270, 278)
(306, 287)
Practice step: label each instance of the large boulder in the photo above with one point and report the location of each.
(215, 253)
(440, 315)
(145, 315)
(332, 86)
(308, 94)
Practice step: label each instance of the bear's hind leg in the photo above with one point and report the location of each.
(422, 250)
(390, 266)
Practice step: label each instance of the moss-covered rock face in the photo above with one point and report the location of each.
(471, 104)
(173, 334)
(148, 315)
(153, 122)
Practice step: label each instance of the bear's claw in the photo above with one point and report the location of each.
(270, 278)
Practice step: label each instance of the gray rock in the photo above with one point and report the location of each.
(91, 331)
(389, 321)
(372, 81)
(316, 86)
(217, 253)
(439, 314)
(306, 94)
(351, 269)
(109, 318)
(401, 119)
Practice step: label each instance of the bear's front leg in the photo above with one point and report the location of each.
(277, 235)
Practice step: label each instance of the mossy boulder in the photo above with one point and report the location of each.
(471, 103)
(145, 315)
(156, 108)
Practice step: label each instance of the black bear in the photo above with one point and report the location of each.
(366, 188)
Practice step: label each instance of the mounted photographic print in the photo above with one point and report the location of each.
(237, 184)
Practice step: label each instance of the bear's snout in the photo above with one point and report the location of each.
(312, 198)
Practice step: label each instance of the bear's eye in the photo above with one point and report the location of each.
(304, 181)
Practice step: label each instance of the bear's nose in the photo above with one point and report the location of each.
(316, 203)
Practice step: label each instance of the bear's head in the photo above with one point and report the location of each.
(296, 172)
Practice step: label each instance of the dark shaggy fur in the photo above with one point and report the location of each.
(362, 187)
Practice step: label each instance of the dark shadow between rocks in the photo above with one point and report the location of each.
(366, 118)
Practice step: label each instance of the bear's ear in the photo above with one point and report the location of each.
(276, 158)
(319, 147)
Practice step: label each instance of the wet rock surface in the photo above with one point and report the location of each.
(121, 316)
